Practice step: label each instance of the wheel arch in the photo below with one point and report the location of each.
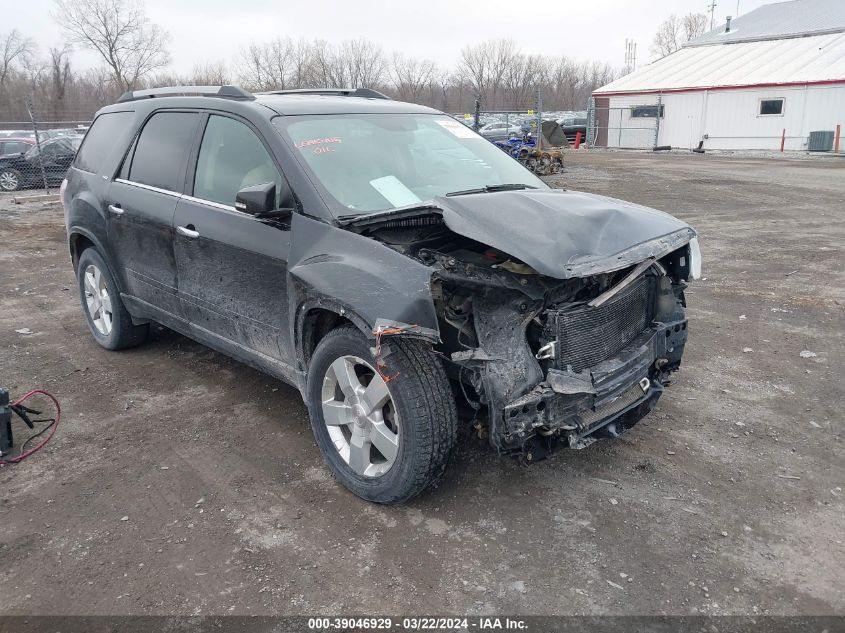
(317, 317)
(80, 239)
(359, 279)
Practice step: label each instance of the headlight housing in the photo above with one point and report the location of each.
(694, 259)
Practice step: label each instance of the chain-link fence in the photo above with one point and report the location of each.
(534, 137)
(522, 118)
(634, 124)
(36, 153)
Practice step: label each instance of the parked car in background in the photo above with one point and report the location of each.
(60, 132)
(500, 131)
(13, 146)
(17, 134)
(572, 125)
(31, 169)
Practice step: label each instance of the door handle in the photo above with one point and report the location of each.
(188, 231)
(115, 209)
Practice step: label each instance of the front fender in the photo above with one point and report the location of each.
(361, 276)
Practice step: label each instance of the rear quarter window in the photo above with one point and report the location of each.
(161, 151)
(100, 140)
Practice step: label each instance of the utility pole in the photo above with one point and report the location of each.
(712, 8)
(630, 56)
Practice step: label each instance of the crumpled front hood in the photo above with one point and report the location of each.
(565, 234)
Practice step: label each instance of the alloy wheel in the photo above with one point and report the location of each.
(98, 300)
(360, 416)
(8, 181)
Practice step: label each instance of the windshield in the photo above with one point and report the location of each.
(375, 162)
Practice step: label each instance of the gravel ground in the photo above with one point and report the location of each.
(182, 482)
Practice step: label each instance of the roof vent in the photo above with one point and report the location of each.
(728, 24)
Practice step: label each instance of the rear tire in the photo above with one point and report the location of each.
(10, 179)
(107, 317)
(415, 408)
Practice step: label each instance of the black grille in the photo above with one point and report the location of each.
(586, 336)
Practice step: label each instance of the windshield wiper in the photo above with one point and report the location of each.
(516, 186)
(377, 216)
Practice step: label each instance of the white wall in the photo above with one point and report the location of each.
(730, 118)
(627, 131)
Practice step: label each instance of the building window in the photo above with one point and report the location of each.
(646, 112)
(771, 107)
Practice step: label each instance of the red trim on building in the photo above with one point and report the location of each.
(795, 84)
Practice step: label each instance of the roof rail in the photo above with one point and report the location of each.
(366, 93)
(223, 92)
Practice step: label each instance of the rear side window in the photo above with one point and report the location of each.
(100, 140)
(162, 150)
(13, 147)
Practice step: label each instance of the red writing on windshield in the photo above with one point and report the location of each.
(318, 141)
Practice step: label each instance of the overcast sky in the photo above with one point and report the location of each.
(211, 30)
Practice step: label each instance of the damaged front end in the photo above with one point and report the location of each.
(557, 368)
(541, 361)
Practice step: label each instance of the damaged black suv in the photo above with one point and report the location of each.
(397, 268)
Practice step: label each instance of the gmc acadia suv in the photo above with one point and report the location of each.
(397, 268)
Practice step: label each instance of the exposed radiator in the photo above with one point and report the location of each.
(586, 336)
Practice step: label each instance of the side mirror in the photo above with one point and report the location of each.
(256, 199)
(260, 201)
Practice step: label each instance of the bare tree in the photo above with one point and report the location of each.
(275, 65)
(14, 48)
(495, 69)
(359, 64)
(668, 37)
(60, 77)
(674, 32)
(474, 68)
(120, 32)
(504, 56)
(412, 77)
(210, 74)
(564, 82)
(694, 24)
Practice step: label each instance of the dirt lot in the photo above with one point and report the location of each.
(727, 499)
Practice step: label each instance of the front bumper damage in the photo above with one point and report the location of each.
(600, 371)
(603, 401)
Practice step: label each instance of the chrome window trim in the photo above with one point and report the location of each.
(210, 203)
(182, 196)
(148, 187)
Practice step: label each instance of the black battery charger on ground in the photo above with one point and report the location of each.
(5, 422)
(17, 407)
(7, 439)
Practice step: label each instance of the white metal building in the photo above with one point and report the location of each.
(776, 73)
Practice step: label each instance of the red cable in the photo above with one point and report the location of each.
(37, 448)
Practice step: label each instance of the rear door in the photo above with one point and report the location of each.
(142, 201)
(232, 267)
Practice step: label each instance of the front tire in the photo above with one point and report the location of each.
(384, 440)
(107, 317)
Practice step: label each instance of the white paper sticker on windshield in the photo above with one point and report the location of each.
(394, 191)
(458, 129)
